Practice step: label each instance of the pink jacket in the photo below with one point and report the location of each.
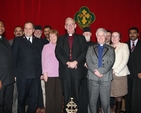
(49, 62)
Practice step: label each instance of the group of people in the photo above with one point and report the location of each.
(42, 75)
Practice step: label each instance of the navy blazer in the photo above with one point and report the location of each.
(27, 57)
(62, 51)
(6, 63)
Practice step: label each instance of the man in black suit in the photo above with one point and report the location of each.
(71, 51)
(27, 63)
(132, 44)
(6, 74)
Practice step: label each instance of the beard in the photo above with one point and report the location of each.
(88, 38)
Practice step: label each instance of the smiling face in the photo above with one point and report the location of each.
(38, 33)
(46, 32)
(101, 35)
(28, 29)
(70, 25)
(108, 37)
(2, 29)
(18, 31)
(133, 35)
(53, 38)
(115, 37)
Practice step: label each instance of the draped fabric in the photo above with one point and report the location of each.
(114, 15)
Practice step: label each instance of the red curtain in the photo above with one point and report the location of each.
(114, 15)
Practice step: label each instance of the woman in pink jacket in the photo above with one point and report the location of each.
(51, 75)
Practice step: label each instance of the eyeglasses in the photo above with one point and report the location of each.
(70, 24)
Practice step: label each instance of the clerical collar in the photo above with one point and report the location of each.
(0, 36)
(70, 34)
(100, 44)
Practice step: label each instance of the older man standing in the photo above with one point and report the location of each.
(100, 59)
(27, 63)
(71, 51)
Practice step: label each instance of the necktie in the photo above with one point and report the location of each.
(100, 51)
(133, 46)
(29, 39)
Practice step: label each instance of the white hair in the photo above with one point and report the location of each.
(102, 30)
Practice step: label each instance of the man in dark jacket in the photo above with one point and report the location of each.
(6, 74)
(27, 63)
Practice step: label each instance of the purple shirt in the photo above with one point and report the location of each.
(49, 62)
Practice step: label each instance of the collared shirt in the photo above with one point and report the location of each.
(70, 38)
(30, 38)
(100, 52)
(135, 42)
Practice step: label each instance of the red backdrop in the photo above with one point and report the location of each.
(113, 15)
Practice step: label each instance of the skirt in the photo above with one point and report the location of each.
(119, 86)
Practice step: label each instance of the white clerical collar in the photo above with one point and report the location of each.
(101, 44)
(70, 34)
(0, 37)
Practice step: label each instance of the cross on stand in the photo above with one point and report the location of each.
(71, 107)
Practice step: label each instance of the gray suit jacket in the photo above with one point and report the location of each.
(108, 60)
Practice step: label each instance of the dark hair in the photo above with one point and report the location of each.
(17, 27)
(134, 28)
(109, 31)
(47, 26)
(2, 22)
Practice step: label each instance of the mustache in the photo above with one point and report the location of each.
(18, 34)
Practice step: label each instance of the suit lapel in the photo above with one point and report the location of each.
(74, 43)
(26, 41)
(66, 44)
(6, 43)
(96, 50)
(105, 49)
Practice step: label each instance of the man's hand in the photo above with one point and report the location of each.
(139, 75)
(96, 72)
(0, 84)
(72, 64)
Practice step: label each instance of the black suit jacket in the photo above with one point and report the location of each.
(6, 63)
(130, 61)
(136, 62)
(27, 57)
(62, 52)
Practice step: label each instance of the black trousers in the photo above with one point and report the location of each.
(28, 89)
(53, 95)
(71, 88)
(128, 97)
(84, 97)
(40, 98)
(6, 98)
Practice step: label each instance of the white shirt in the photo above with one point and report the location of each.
(29, 38)
(135, 42)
